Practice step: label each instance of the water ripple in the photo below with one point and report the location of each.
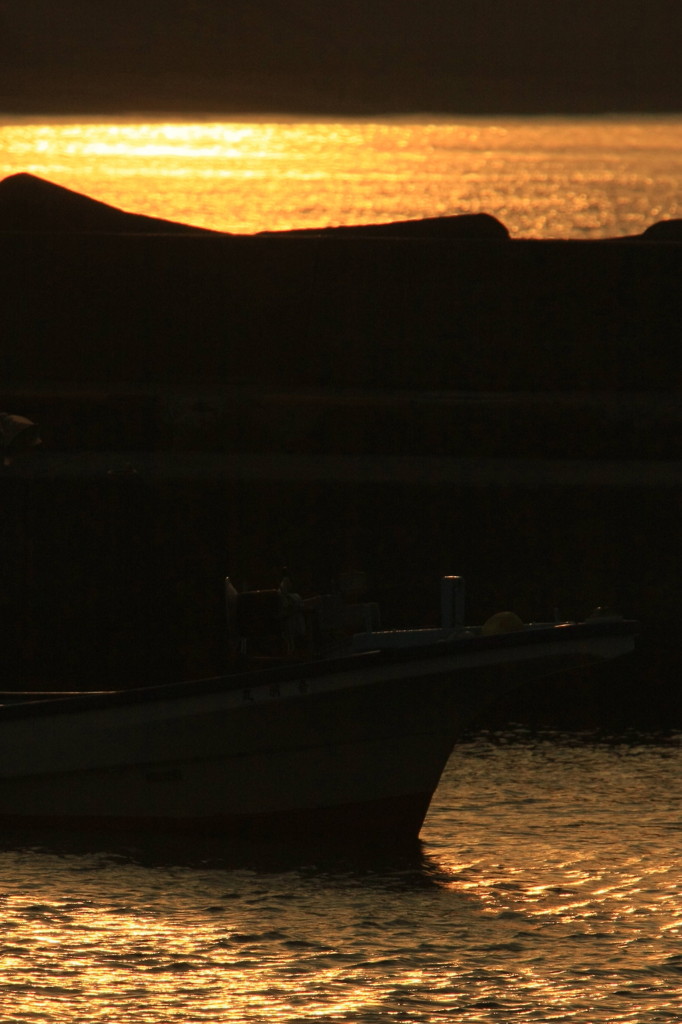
(548, 888)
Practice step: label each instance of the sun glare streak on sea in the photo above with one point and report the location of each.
(543, 178)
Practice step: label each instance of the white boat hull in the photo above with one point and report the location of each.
(352, 747)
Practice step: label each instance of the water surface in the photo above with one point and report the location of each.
(548, 888)
(542, 177)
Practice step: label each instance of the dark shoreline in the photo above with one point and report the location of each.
(501, 408)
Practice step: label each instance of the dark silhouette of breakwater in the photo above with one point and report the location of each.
(406, 399)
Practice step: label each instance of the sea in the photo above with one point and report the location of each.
(584, 178)
(547, 884)
(547, 887)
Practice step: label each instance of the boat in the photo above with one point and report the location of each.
(318, 730)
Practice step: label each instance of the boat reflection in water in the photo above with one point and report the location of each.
(341, 734)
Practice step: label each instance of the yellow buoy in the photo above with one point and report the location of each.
(501, 622)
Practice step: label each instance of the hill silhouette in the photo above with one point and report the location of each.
(30, 203)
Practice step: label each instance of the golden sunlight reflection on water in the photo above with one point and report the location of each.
(585, 178)
(549, 889)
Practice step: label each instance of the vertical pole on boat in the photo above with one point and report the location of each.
(231, 596)
(452, 602)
